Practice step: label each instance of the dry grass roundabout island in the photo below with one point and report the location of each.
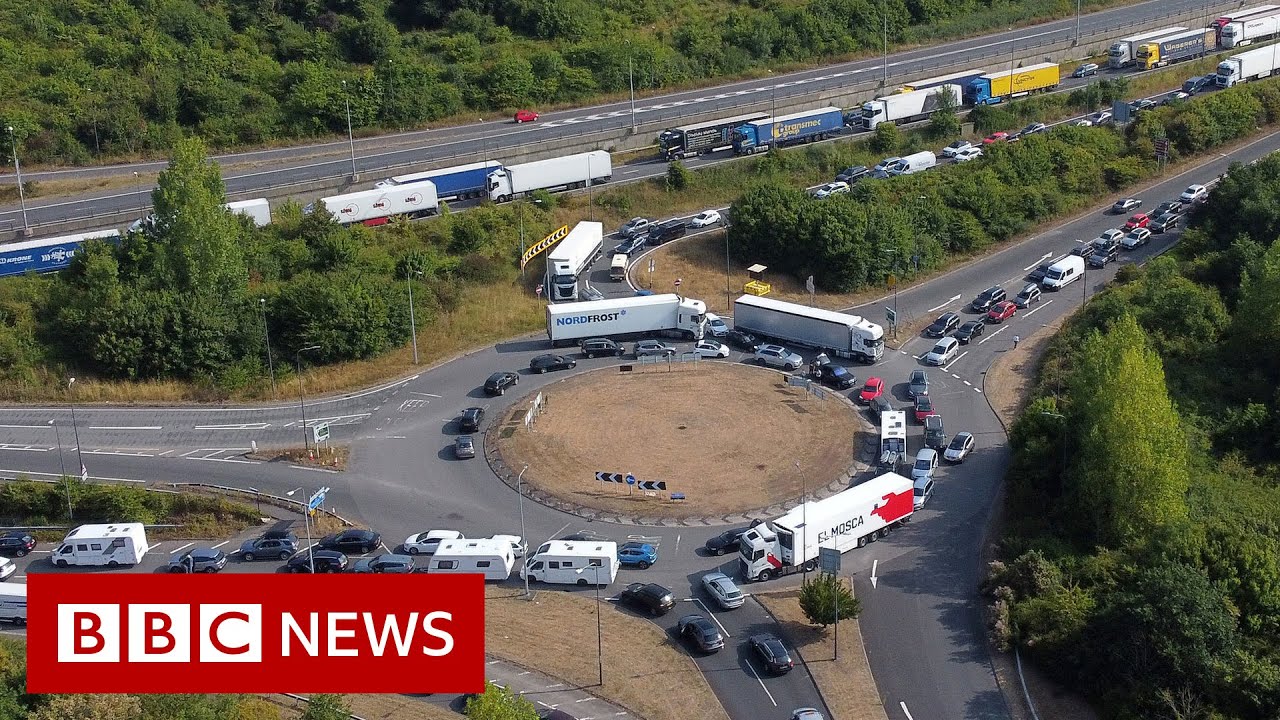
(726, 435)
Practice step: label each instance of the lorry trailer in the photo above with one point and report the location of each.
(1175, 48)
(957, 78)
(992, 88)
(573, 255)
(809, 126)
(48, 254)
(851, 518)
(846, 336)
(693, 140)
(1241, 33)
(908, 106)
(1247, 66)
(1239, 15)
(1124, 51)
(562, 173)
(637, 316)
(258, 210)
(377, 207)
(460, 181)
(13, 603)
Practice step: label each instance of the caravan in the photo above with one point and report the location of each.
(573, 562)
(491, 558)
(13, 603)
(111, 545)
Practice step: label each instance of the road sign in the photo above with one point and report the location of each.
(320, 433)
(543, 244)
(652, 484)
(893, 282)
(317, 500)
(611, 477)
(538, 290)
(631, 479)
(829, 560)
(1162, 145)
(677, 282)
(891, 316)
(808, 285)
(650, 266)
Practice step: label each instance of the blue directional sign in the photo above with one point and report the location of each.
(318, 499)
(631, 479)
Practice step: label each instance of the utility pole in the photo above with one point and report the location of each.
(631, 80)
(413, 324)
(17, 168)
(302, 401)
(84, 472)
(266, 333)
(523, 539)
(350, 138)
(884, 12)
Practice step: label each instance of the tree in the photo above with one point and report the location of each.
(326, 707)
(826, 599)
(945, 121)
(89, 707)
(498, 703)
(885, 139)
(678, 176)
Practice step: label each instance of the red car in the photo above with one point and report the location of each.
(1001, 311)
(1139, 220)
(524, 116)
(872, 390)
(924, 408)
(995, 137)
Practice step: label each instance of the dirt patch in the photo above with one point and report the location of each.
(846, 684)
(332, 457)
(727, 435)
(1013, 373)
(555, 633)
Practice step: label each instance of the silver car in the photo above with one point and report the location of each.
(724, 590)
(464, 447)
(647, 348)
(778, 357)
(200, 559)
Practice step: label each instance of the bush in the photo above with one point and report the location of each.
(885, 139)
(678, 176)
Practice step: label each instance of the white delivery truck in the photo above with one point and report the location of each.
(573, 562)
(1249, 65)
(570, 257)
(491, 558)
(562, 173)
(846, 336)
(851, 518)
(376, 207)
(913, 163)
(1064, 272)
(111, 545)
(908, 106)
(257, 209)
(13, 603)
(1124, 51)
(628, 316)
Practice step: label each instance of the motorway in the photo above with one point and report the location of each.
(291, 166)
(921, 622)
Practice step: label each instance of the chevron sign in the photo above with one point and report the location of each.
(651, 484)
(543, 244)
(620, 478)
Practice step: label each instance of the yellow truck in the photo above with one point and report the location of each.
(1176, 48)
(995, 87)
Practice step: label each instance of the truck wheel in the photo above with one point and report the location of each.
(811, 565)
(873, 537)
(884, 532)
(112, 563)
(60, 563)
(862, 541)
(582, 582)
(765, 575)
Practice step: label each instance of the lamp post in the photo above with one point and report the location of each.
(137, 189)
(62, 465)
(1077, 40)
(520, 213)
(266, 333)
(93, 112)
(1011, 50)
(306, 522)
(17, 168)
(884, 13)
(84, 472)
(523, 538)
(804, 520)
(302, 401)
(728, 302)
(413, 324)
(631, 80)
(350, 138)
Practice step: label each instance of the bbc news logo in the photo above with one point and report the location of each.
(412, 633)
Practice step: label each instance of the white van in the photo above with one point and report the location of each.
(618, 268)
(573, 562)
(13, 603)
(491, 558)
(111, 545)
(1063, 273)
(913, 163)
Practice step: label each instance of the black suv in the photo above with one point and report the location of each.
(1103, 253)
(743, 340)
(631, 245)
(853, 174)
(943, 325)
(591, 347)
(772, 653)
(325, 561)
(1165, 222)
(351, 539)
(987, 298)
(471, 419)
(16, 542)
(667, 231)
(652, 598)
(498, 383)
(390, 564)
(970, 331)
(836, 376)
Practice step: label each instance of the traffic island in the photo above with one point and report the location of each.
(702, 442)
(330, 457)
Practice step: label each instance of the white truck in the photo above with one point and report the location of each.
(573, 562)
(1239, 33)
(911, 164)
(13, 603)
(491, 558)
(1124, 51)
(846, 336)
(1247, 66)
(573, 255)
(562, 173)
(641, 315)
(851, 518)
(110, 545)
(257, 209)
(908, 106)
(377, 207)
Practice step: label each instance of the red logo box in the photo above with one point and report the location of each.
(414, 633)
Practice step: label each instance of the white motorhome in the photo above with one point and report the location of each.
(893, 440)
(491, 558)
(111, 545)
(13, 603)
(1064, 272)
(573, 562)
(618, 268)
(570, 258)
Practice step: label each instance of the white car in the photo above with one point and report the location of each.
(722, 588)
(961, 445)
(943, 352)
(1083, 122)
(704, 218)
(956, 147)
(1194, 193)
(967, 154)
(7, 568)
(831, 188)
(711, 349)
(517, 543)
(926, 464)
(1100, 117)
(426, 543)
(1136, 238)
(716, 325)
(1109, 236)
(779, 357)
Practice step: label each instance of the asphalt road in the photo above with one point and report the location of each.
(921, 622)
(290, 166)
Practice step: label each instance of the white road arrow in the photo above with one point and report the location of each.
(948, 302)
(874, 579)
(1032, 266)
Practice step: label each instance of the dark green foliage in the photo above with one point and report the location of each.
(678, 176)
(885, 139)
(826, 599)
(36, 503)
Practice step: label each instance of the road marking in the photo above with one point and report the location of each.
(1042, 306)
(224, 542)
(978, 389)
(494, 662)
(875, 564)
(548, 687)
(1036, 264)
(526, 672)
(184, 547)
(939, 307)
(966, 382)
(166, 452)
(304, 467)
(762, 687)
(28, 448)
(414, 392)
(95, 477)
(236, 426)
(110, 452)
(992, 335)
(26, 427)
(124, 427)
(713, 616)
(227, 460)
(677, 542)
(585, 699)
(953, 362)
(906, 711)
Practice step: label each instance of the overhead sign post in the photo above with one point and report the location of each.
(542, 245)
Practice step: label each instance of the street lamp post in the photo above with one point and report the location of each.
(266, 332)
(728, 303)
(524, 539)
(413, 324)
(84, 472)
(17, 168)
(599, 629)
(1077, 40)
(62, 465)
(350, 138)
(306, 522)
(302, 401)
(804, 521)
(137, 190)
(884, 13)
(631, 80)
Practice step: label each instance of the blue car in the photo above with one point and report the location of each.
(641, 555)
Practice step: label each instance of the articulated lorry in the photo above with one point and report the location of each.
(693, 140)
(258, 210)
(1238, 16)
(377, 207)
(850, 518)
(995, 87)
(809, 126)
(957, 78)
(1124, 51)
(562, 173)
(1241, 33)
(460, 181)
(1247, 66)
(846, 336)
(48, 254)
(639, 316)
(908, 106)
(570, 258)
(1175, 48)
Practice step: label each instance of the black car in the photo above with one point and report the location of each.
(853, 174)
(726, 541)
(1165, 222)
(987, 298)
(543, 363)
(772, 653)
(970, 330)
(264, 548)
(652, 598)
(1143, 104)
(1103, 253)
(879, 406)
(1083, 249)
(836, 376)
(667, 231)
(742, 340)
(325, 561)
(592, 347)
(471, 419)
(498, 383)
(1041, 270)
(1198, 83)
(634, 244)
(351, 539)
(701, 632)
(16, 542)
(943, 325)
(1168, 206)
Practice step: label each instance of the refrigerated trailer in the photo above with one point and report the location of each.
(1124, 51)
(995, 87)
(628, 316)
(562, 173)
(846, 336)
(1240, 15)
(258, 210)
(570, 258)
(692, 140)
(459, 181)
(808, 126)
(1247, 66)
(1241, 33)
(908, 106)
(47, 254)
(1175, 48)
(957, 78)
(377, 207)
(851, 518)
(13, 603)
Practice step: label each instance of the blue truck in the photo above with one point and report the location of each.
(806, 126)
(47, 254)
(458, 182)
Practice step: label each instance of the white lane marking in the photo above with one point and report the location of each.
(235, 426)
(323, 470)
(227, 460)
(224, 542)
(28, 448)
(762, 687)
(184, 547)
(1042, 306)
(585, 699)
(953, 362)
(414, 392)
(1036, 264)
(109, 452)
(977, 389)
(677, 542)
(124, 427)
(906, 711)
(713, 617)
(939, 307)
(966, 382)
(94, 477)
(26, 427)
(992, 335)
(166, 452)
